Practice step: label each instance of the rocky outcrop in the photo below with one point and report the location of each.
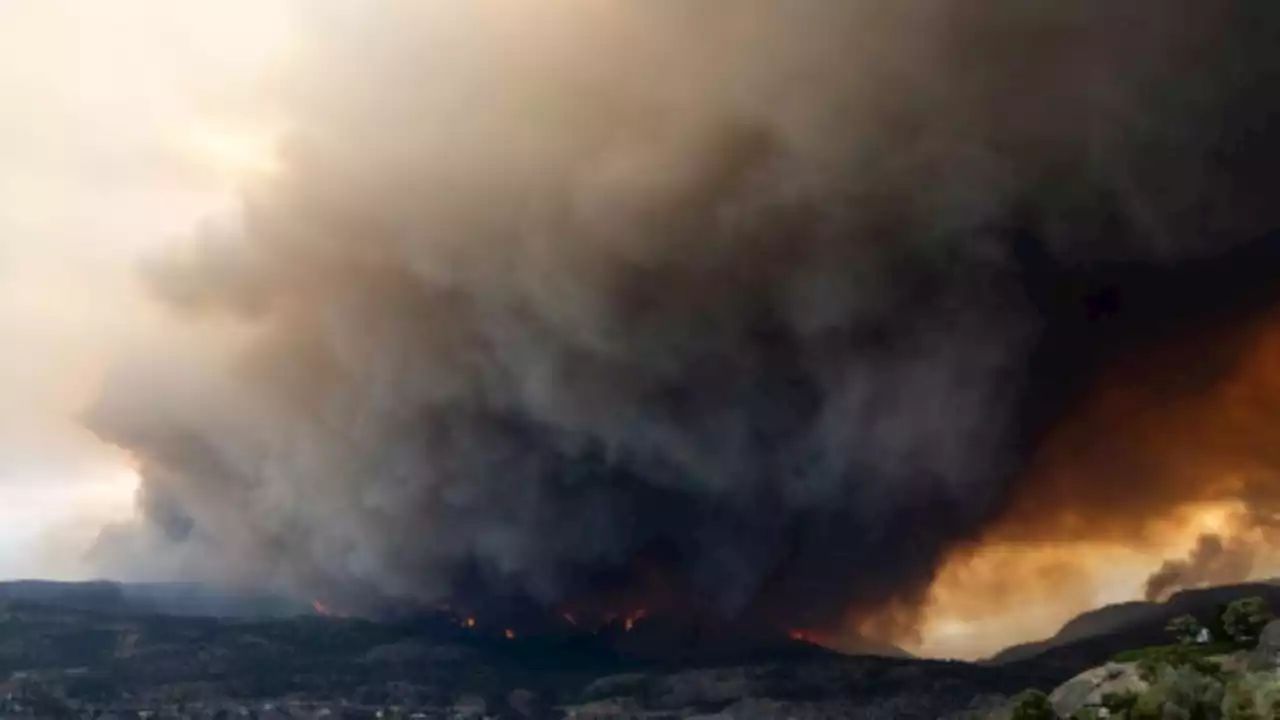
(1267, 655)
(1089, 688)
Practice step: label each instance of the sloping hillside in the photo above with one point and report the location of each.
(100, 645)
(1094, 637)
(83, 647)
(189, 599)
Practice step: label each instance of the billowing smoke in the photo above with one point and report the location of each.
(1227, 556)
(1214, 560)
(743, 308)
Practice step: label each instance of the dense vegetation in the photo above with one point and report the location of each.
(1192, 679)
(78, 652)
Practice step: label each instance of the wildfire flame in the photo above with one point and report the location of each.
(631, 619)
(321, 608)
(511, 635)
(469, 622)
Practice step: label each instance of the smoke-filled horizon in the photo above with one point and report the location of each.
(121, 124)
(737, 309)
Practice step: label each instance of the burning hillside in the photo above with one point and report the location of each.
(744, 312)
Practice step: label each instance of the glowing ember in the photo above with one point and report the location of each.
(634, 617)
(511, 635)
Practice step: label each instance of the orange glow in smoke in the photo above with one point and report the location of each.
(630, 621)
(1148, 462)
(321, 608)
(510, 634)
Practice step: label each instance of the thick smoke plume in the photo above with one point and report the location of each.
(1214, 561)
(742, 309)
(1227, 556)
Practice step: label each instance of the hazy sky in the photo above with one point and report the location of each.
(122, 125)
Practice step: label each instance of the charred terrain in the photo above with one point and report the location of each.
(71, 649)
(81, 650)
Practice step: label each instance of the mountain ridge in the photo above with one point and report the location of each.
(1120, 626)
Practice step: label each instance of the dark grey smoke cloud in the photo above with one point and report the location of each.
(1214, 561)
(1221, 558)
(722, 303)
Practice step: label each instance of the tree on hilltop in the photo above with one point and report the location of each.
(1186, 629)
(1244, 619)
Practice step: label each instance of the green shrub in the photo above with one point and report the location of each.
(1185, 683)
(1032, 705)
(1241, 706)
(1149, 706)
(1244, 619)
(1116, 702)
(1253, 697)
(1180, 692)
(1185, 629)
(1152, 660)
(1167, 653)
(1189, 694)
